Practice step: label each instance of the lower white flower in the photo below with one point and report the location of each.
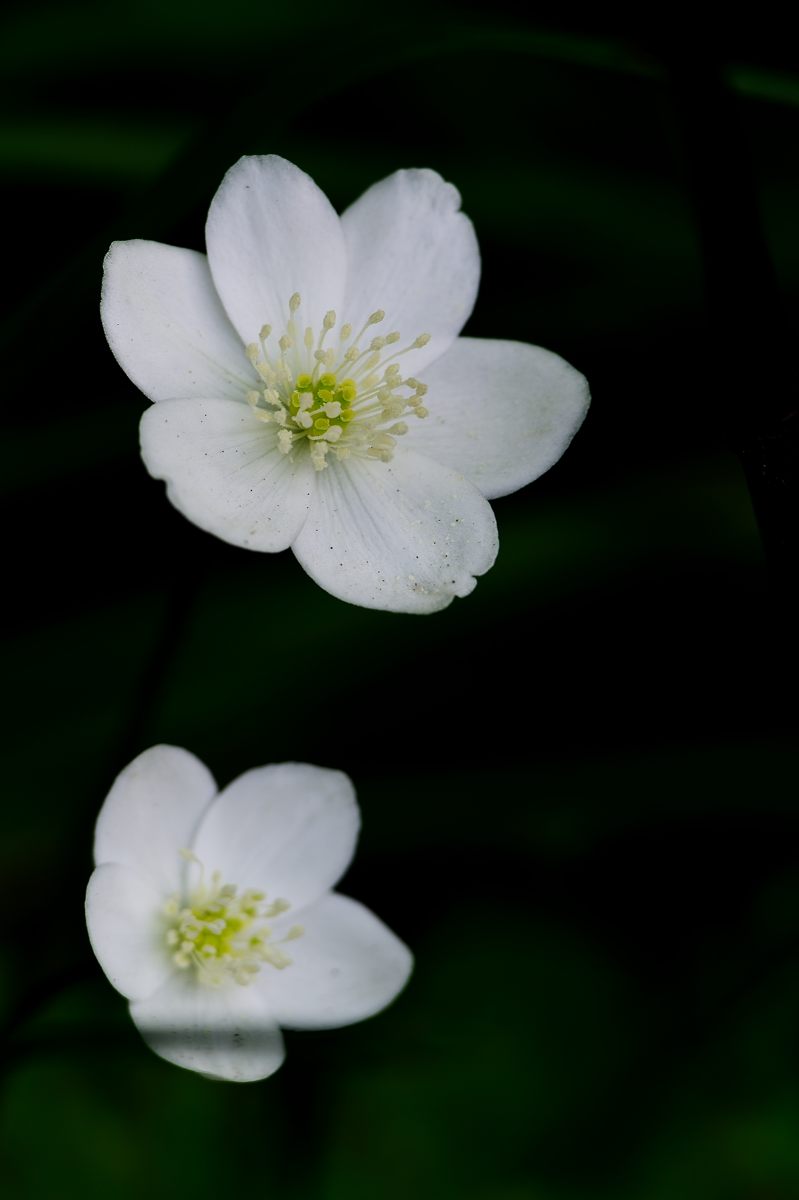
(213, 913)
(312, 390)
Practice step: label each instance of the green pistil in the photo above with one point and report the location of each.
(324, 390)
(217, 944)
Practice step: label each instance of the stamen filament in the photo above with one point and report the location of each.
(305, 396)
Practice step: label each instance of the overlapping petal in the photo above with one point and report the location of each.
(414, 254)
(270, 233)
(222, 1032)
(346, 966)
(500, 412)
(408, 535)
(214, 1006)
(224, 471)
(166, 325)
(397, 527)
(122, 908)
(152, 812)
(289, 829)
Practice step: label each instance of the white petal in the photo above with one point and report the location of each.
(500, 412)
(122, 916)
(412, 253)
(152, 812)
(406, 536)
(289, 830)
(166, 325)
(346, 966)
(225, 472)
(270, 233)
(222, 1032)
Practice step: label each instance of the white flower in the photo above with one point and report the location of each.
(214, 916)
(313, 391)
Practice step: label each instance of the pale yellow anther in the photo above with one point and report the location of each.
(223, 933)
(318, 454)
(318, 412)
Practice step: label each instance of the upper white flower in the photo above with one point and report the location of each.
(314, 393)
(213, 914)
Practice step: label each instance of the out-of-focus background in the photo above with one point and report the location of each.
(578, 784)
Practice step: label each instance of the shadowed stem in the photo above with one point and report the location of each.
(66, 888)
(752, 371)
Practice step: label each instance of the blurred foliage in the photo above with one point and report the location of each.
(578, 784)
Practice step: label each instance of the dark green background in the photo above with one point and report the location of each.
(578, 784)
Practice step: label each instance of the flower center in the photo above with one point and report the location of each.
(343, 399)
(223, 933)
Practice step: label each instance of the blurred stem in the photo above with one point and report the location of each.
(752, 370)
(180, 595)
(66, 888)
(35, 998)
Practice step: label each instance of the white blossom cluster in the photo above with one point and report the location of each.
(310, 390)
